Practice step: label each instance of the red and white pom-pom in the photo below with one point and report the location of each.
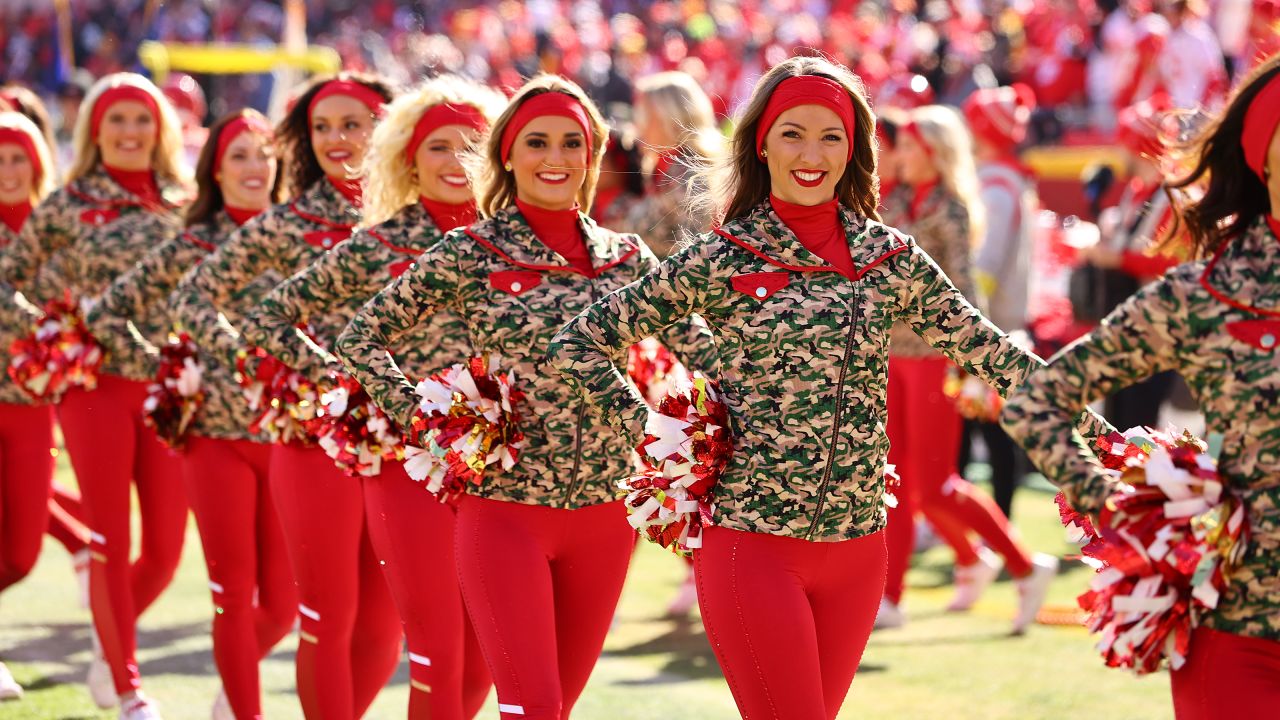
(974, 399)
(177, 393)
(467, 421)
(354, 431)
(654, 370)
(288, 404)
(58, 354)
(1163, 546)
(685, 450)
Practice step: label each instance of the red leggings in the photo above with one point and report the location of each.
(110, 448)
(412, 535)
(254, 596)
(541, 586)
(925, 432)
(26, 474)
(66, 516)
(350, 633)
(1227, 676)
(788, 618)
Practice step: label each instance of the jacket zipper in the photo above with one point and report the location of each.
(837, 416)
(577, 439)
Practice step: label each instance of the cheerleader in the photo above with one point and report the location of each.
(800, 286)
(1215, 322)
(349, 636)
(224, 464)
(26, 429)
(119, 201)
(416, 190)
(542, 549)
(937, 202)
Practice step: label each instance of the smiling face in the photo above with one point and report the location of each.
(807, 151)
(340, 127)
(248, 172)
(549, 160)
(440, 174)
(17, 175)
(127, 136)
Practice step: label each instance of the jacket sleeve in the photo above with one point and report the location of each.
(364, 347)
(689, 339)
(1138, 339)
(332, 280)
(130, 295)
(212, 284)
(43, 234)
(589, 350)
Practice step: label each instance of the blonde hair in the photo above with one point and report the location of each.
(685, 112)
(494, 185)
(951, 152)
(739, 181)
(167, 160)
(46, 178)
(390, 181)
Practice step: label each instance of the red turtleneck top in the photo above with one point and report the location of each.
(818, 228)
(560, 231)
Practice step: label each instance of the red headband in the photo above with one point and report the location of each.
(230, 131)
(122, 93)
(807, 90)
(1260, 122)
(15, 136)
(439, 116)
(913, 130)
(366, 95)
(547, 103)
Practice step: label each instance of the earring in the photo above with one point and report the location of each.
(507, 167)
(764, 153)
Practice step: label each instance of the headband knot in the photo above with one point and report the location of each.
(807, 90)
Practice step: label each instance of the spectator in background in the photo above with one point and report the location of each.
(1191, 64)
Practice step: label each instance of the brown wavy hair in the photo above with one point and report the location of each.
(495, 185)
(1233, 196)
(740, 181)
(209, 200)
(294, 131)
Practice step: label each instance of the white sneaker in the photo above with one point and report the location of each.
(9, 688)
(1032, 590)
(972, 580)
(139, 707)
(686, 598)
(222, 707)
(80, 564)
(101, 687)
(889, 616)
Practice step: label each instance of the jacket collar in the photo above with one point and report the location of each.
(409, 231)
(324, 205)
(99, 188)
(508, 235)
(1245, 273)
(763, 234)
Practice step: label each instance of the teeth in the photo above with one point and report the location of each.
(809, 176)
(554, 177)
(458, 180)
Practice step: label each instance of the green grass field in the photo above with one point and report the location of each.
(938, 666)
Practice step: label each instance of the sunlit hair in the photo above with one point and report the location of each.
(209, 198)
(495, 187)
(293, 132)
(390, 180)
(738, 182)
(951, 150)
(1228, 197)
(167, 159)
(45, 179)
(683, 108)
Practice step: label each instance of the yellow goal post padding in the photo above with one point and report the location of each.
(232, 59)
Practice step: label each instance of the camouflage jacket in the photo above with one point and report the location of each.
(15, 322)
(514, 293)
(1216, 323)
(336, 285)
(80, 239)
(941, 228)
(145, 290)
(803, 353)
(282, 240)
